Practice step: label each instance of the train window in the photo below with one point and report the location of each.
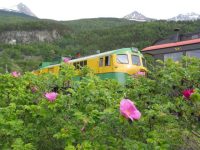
(77, 65)
(85, 63)
(81, 64)
(135, 60)
(174, 56)
(74, 64)
(107, 61)
(195, 53)
(100, 62)
(122, 59)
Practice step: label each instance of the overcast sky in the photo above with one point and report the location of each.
(78, 9)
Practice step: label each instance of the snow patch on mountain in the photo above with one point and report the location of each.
(136, 16)
(186, 17)
(19, 8)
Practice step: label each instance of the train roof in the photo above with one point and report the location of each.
(118, 51)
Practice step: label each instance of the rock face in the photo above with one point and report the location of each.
(24, 37)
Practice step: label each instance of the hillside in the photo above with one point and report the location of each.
(13, 17)
(97, 23)
(78, 35)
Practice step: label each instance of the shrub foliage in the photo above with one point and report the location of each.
(85, 115)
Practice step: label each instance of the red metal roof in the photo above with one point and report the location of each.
(155, 47)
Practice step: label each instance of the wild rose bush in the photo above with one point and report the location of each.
(170, 120)
(86, 114)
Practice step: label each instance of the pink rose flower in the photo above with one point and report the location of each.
(129, 110)
(51, 96)
(140, 73)
(187, 93)
(66, 60)
(15, 74)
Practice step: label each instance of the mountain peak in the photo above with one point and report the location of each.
(24, 9)
(186, 17)
(135, 15)
(20, 8)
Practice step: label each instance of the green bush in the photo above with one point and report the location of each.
(86, 114)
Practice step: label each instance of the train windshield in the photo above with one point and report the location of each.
(135, 60)
(122, 59)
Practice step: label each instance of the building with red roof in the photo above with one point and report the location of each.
(175, 47)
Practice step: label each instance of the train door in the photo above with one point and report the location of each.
(108, 64)
(101, 65)
(105, 64)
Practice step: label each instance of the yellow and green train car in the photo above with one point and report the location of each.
(116, 64)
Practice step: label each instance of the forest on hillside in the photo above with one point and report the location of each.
(84, 35)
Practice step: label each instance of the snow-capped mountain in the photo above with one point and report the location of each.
(186, 17)
(20, 8)
(137, 17)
